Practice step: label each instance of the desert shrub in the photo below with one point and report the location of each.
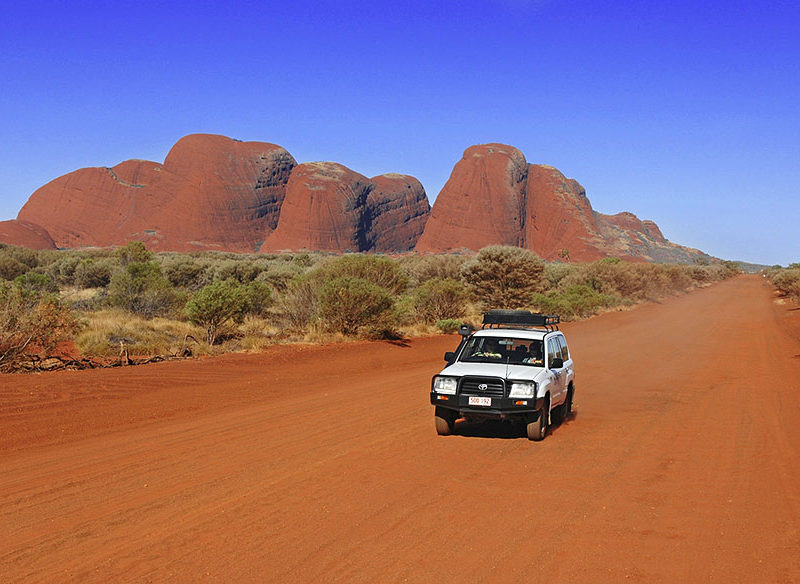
(184, 272)
(504, 276)
(30, 320)
(381, 271)
(437, 299)
(142, 289)
(280, 274)
(555, 272)
(27, 257)
(242, 271)
(787, 281)
(448, 325)
(11, 268)
(217, 304)
(91, 273)
(62, 269)
(257, 298)
(578, 300)
(133, 252)
(422, 268)
(35, 282)
(299, 304)
(347, 303)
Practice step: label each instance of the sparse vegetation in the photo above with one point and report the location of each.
(136, 301)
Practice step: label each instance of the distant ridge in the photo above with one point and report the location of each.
(216, 193)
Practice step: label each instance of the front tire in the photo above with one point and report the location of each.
(445, 420)
(537, 429)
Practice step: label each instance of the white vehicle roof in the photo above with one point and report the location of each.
(518, 333)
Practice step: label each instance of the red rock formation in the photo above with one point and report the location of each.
(494, 197)
(25, 234)
(482, 203)
(211, 193)
(397, 209)
(329, 207)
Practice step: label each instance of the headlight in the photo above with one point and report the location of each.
(445, 385)
(522, 389)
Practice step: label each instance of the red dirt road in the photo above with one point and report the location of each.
(321, 464)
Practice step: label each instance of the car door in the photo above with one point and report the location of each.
(569, 371)
(557, 384)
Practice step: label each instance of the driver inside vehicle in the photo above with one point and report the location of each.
(491, 349)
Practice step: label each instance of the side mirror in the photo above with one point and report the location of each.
(557, 363)
(449, 356)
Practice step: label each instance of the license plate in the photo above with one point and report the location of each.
(480, 401)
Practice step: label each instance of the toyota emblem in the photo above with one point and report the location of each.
(483, 387)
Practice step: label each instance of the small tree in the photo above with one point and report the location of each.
(135, 251)
(502, 276)
(30, 319)
(346, 304)
(216, 304)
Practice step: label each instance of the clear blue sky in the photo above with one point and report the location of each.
(687, 113)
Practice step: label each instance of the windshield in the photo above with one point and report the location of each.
(503, 350)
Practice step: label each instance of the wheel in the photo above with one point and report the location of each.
(537, 429)
(444, 421)
(568, 403)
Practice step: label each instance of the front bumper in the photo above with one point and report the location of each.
(501, 407)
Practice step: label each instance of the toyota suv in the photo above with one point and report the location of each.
(517, 367)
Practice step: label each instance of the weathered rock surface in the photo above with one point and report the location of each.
(215, 193)
(482, 203)
(329, 207)
(25, 234)
(212, 192)
(493, 196)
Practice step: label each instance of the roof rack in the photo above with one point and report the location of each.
(520, 319)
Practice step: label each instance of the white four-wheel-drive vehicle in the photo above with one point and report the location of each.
(516, 368)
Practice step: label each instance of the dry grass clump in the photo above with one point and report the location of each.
(106, 331)
(786, 280)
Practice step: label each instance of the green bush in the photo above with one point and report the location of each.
(347, 303)
(504, 276)
(11, 268)
(257, 298)
(141, 288)
(34, 282)
(184, 272)
(216, 304)
(426, 267)
(380, 271)
(578, 301)
(437, 299)
(448, 325)
(91, 273)
(133, 252)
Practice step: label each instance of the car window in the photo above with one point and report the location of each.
(503, 350)
(564, 351)
(553, 351)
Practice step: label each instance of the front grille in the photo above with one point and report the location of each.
(494, 387)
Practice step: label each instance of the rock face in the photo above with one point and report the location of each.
(211, 193)
(482, 203)
(494, 196)
(25, 234)
(215, 193)
(329, 207)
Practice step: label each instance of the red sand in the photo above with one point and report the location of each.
(309, 464)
